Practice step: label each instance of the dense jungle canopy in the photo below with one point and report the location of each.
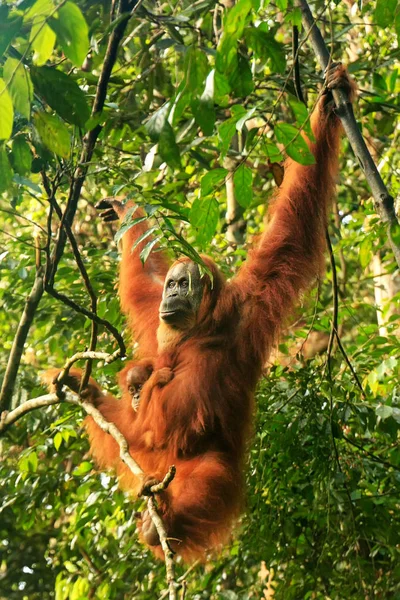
(189, 108)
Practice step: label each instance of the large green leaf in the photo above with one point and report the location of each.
(211, 179)
(266, 47)
(242, 181)
(227, 129)
(168, 148)
(241, 79)
(62, 94)
(384, 12)
(5, 170)
(10, 26)
(72, 32)
(204, 216)
(53, 133)
(17, 77)
(6, 112)
(295, 145)
(42, 38)
(21, 155)
(157, 121)
(196, 68)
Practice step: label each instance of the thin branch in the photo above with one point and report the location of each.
(372, 455)
(20, 337)
(84, 311)
(383, 201)
(296, 65)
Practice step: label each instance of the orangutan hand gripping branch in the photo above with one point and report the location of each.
(202, 348)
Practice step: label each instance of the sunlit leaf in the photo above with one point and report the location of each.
(19, 83)
(72, 32)
(6, 112)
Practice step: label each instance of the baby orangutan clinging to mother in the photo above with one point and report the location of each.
(188, 400)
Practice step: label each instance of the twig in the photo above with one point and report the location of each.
(335, 318)
(296, 65)
(84, 311)
(371, 454)
(20, 337)
(383, 201)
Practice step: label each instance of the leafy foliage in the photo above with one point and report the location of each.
(196, 86)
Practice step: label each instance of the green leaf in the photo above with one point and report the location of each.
(10, 26)
(83, 468)
(53, 133)
(397, 27)
(6, 112)
(42, 39)
(196, 69)
(157, 121)
(384, 12)
(204, 115)
(72, 32)
(204, 216)
(21, 155)
(145, 253)
(235, 19)
(240, 124)
(242, 181)
(221, 89)
(302, 116)
(241, 79)
(383, 411)
(144, 236)
(295, 145)
(168, 148)
(17, 77)
(127, 224)
(227, 129)
(62, 94)
(211, 179)
(57, 441)
(282, 4)
(365, 252)
(266, 48)
(6, 173)
(272, 151)
(203, 108)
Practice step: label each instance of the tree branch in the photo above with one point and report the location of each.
(383, 201)
(20, 337)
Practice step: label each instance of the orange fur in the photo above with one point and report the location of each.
(200, 419)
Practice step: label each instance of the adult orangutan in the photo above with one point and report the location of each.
(202, 346)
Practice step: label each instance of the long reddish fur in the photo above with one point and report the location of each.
(200, 421)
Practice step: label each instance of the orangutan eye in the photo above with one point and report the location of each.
(171, 284)
(184, 283)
